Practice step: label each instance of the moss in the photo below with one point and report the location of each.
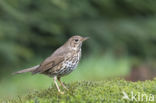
(107, 91)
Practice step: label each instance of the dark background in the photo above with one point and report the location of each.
(122, 39)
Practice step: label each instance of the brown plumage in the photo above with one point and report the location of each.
(62, 62)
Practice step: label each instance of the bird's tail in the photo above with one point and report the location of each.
(26, 70)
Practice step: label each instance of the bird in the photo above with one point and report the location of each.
(61, 62)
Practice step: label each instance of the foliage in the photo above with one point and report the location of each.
(123, 26)
(107, 91)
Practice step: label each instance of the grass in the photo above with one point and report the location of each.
(106, 91)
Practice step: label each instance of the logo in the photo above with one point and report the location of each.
(138, 96)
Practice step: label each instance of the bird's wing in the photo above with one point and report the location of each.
(48, 63)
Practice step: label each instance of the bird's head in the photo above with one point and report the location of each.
(75, 42)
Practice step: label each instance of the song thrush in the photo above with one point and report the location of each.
(62, 62)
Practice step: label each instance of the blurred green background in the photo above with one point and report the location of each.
(122, 39)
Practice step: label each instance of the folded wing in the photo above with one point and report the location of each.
(48, 63)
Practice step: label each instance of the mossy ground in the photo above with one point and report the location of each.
(107, 91)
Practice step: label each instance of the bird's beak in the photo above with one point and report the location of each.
(85, 38)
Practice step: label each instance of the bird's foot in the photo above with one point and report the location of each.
(65, 88)
(61, 92)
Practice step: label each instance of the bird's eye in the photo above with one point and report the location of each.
(76, 40)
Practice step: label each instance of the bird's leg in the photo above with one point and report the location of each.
(59, 79)
(55, 78)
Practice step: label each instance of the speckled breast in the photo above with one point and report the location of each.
(70, 64)
(67, 66)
